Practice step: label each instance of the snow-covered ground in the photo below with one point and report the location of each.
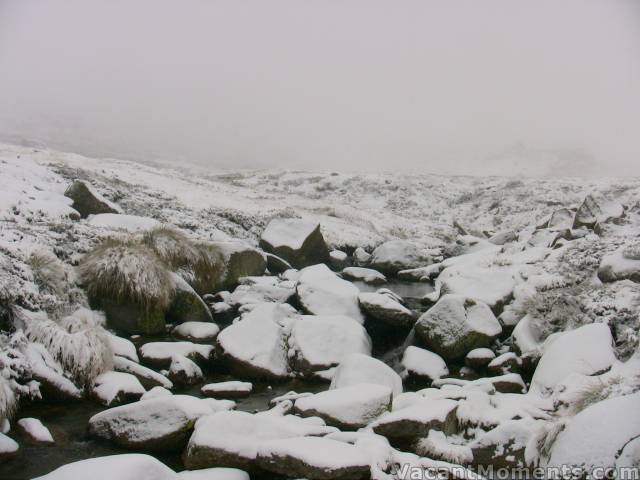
(533, 339)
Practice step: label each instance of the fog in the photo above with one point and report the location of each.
(492, 86)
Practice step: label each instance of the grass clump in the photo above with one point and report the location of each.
(49, 272)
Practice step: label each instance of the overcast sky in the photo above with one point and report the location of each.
(435, 86)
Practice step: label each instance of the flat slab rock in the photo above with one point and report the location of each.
(159, 354)
(231, 389)
(114, 388)
(315, 459)
(386, 309)
(418, 419)
(366, 275)
(298, 241)
(197, 332)
(421, 363)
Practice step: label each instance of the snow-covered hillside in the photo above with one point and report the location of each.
(524, 342)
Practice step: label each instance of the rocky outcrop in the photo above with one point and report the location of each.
(87, 201)
(396, 255)
(298, 241)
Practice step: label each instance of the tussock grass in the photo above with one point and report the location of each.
(127, 271)
(48, 271)
(174, 247)
(207, 272)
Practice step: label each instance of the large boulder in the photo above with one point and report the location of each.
(115, 388)
(623, 264)
(255, 345)
(128, 466)
(320, 342)
(422, 365)
(347, 408)
(358, 368)
(315, 459)
(418, 419)
(160, 354)
(187, 306)
(240, 260)
(298, 241)
(386, 308)
(597, 209)
(456, 325)
(87, 201)
(321, 292)
(158, 424)
(588, 350)
(396, 255)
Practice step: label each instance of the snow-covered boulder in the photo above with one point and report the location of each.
(385, 308)
(123, 347)
(358, 368)
(255, 345)
(87, 201)
(506, 363)
(623, 264)
(8, 447)
(561, 219)
(35, 431)
(157, 424)
(596, 436)
(159, 354)
(233, 439)
(147, 377)
(321, 292)
(128, 466)
(298, 241)
(347, 408)
(186, 306)
(366, 275)
(396, 255)
(54, 386)
(361, 257)
(491, 285)
(197, 332)
(597, 209)
(503, 237)
(240, 260)
(315, 459)
(504, 446)
(183, 371)
(156, 392)
(456, 325)
(277, 265)
(220, 473)
(418, 419)
(231, 389)
(422, 365)
(587, 350)
(115, 388)
(320, 342)
(479, 358)
(338, 259)
(256, 290)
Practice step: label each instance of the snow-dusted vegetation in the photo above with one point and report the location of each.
(441, 322)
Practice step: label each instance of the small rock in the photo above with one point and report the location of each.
(479, 358)
(147, 377)
(361, 257)
(232, 389)
(366, 275)
(35, 431)
(506, 363)
(338, 259)
(422, 365)
(197, 332)
(159, 354)
(396, 255)
(183, 371)
(115, 388)
(386, 309)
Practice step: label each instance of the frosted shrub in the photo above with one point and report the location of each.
(173, 247)
(632, 252)
(49, 272)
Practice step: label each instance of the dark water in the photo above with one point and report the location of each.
(68, 425)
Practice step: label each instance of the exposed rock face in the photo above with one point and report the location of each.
(87, 201)
(298, 241)
(396, 255)
(277, 265)
(597, 209)
(131, 318)
(456, 325)
(387, 309)
(187, 306)
(240, 260)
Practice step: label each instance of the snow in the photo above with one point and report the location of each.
(418, 361)
(233, 386)
(338, 255)
(396, 255)
(358, 368)
(219, 473)
(586, 350)
(425, 412)
(162, 352)
(156, 392)
(128, 466)
(36, 430)
(7, 445)
(184, 370)
(45, 368)
(289, 232)
(322, 292)
(109, 386)
(144, 374)
(366, 275)
(197, 331)
(386, 304)
(353, 406)
(491, 285)
(123, 347)
(481, 354)
(323, 341)
(128, 223)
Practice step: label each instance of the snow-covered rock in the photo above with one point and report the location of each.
(197, 332)
(596, 436)
(256, 290)
(233, 439)
(418, 419)
(587, 350)
(128, 466)
(385, 308)
(158, 424)
(456, 325)
(277, 265)
(214, 474)
(396, 255)
(504, 446)
(366, 275)
(322, 292)
(439, 446)
(501, 238)
(491, 285)
(359, 368)
(420, 364)
(54, 386)
(320, 342)
(255, 345)
(156, 392)
(147, 377)
(315, 459)
(506, 363)
(186, 306)
(8, 447)
(87, 201)
(183, 371)
(479, 358)
(298, 241)
(123, 347)
(338, 259)
(361, 257)
(114, 388)
(35, 430)
(347, 408)
(623, 264)
(561, 219)
(231, 389)
(596, 208)
(240, 260)
(159, 354)
(421, 274)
